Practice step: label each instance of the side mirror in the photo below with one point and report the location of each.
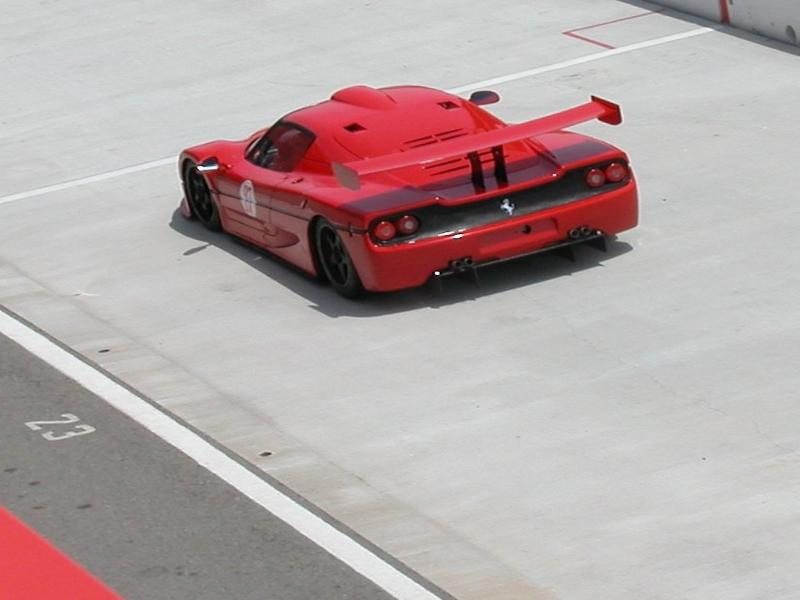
(208, 165)
(484, 97)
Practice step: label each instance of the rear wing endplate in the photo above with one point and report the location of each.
(349, 174)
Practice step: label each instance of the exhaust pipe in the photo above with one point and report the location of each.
(461, 264)
(574, 234)
(586, 231)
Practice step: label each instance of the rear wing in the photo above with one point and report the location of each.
(349, 174)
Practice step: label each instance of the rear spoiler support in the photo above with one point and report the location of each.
(500, 173)
(477, 172)
(349, 175)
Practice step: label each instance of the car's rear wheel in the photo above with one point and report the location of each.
(336, 264)
(199, 197)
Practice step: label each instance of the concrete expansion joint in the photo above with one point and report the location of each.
(575, 331)
(777, 445)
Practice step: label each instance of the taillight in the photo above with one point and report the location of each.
(407, 224)
(616, 172)
(384, 231)
(595, 178)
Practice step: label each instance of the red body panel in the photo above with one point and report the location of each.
(410, 149)
(32, 569)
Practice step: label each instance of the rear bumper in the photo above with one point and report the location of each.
(595, 238)
(387, 268)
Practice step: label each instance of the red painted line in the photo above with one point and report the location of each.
(33, 569)
(724, 12)
(636, 16)
(571, 33)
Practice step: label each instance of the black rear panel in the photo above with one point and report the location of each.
(437, 219)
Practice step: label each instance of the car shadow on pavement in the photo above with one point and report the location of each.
(500, 278)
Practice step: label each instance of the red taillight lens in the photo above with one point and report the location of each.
(407, 225)
(595, 178)
(384, 231)
(616, 172)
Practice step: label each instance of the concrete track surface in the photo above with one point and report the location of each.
(624, 427)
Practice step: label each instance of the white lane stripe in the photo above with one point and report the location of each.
(464, 88)
(172, 160)
(310, 525)
(581, 60)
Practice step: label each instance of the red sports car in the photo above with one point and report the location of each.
(383, 189)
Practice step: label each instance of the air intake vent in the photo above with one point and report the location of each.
(459, 164)
(355, 127)
(367, 97)
(442, 136)
(448, 105)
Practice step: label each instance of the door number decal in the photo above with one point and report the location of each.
(247, 196)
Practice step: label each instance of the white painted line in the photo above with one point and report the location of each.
(172, 160)
(464, 88)
(581, 60)
(307, 523)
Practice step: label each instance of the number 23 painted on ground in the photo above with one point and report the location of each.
(66, 419)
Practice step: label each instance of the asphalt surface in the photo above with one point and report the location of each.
(140, 515)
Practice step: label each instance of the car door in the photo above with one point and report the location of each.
(281, 155)
(245, 192)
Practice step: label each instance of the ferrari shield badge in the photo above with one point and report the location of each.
(508, 207)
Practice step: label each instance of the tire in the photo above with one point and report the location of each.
(336, 263)
(199, 198)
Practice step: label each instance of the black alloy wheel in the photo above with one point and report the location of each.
(199, 197)
(335, 262)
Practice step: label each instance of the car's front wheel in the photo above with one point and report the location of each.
(336, 263)
(199, 197)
